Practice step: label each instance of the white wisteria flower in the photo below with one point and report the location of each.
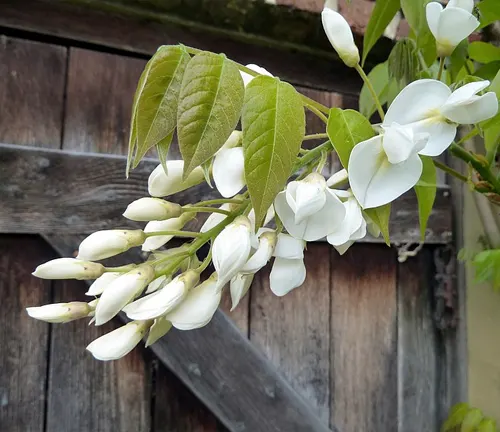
(175, 224)
(165, 300)
(231, 249)
(199, 306)
(384, 167)
(158, 283)
(238, 287)
(256, 68)
(450, 25)
(160, 328)
(229, 171)
(101, 283)
(308, 209)
(122, 291)
(69, 268)
(61, 312)
(339, 34)
(429, 106)
(119, 342)
(150, 209)
(105, 244)
(264, 252)
(353, 228)
(161, 184)
(288, 271)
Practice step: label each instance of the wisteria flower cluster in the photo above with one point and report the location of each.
(274, 198)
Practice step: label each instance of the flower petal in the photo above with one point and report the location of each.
(159, 329)
(289, 247)
(161, 184)
(351, 224)
(441, 135)
(465, 93)
(228, 171)
(432, 12)
(327, 220)
(247, 77)
(479, 109)
(467, 5)
(374, 181)
(416, 101)
(455, 24)
(342, 249)
(239, 286)
(399, 142)
(215, 219)
(286, 275)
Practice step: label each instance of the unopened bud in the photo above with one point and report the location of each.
(105, 244)
(150, 209)
(60, 312)
(162, 184)
(69, 268)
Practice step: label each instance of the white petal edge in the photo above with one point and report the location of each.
(286, 275)
(228, 171)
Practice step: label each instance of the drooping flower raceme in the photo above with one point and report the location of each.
(450, 25)
(429, 106)
(384, 167)
(308, 209)
(339, 34)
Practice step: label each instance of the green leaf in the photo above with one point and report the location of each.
(488, 71)
(380, 216)
(426, 193)
(492, 128)
(132, 144)
(487, 425)
(484, 52)
(379, 77)
(489, 11)
(471, 420)
(162, 149)
(458, 58)
(456, 417)
(156, 112)
(346, 128)
(414, 12)
(403, 62)
(210, 105)
(487, 267)
(273, 123)
(382, 15)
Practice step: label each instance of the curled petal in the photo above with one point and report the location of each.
(161, 184)
(289, 247)
(228, 171)
(159, 329)
(306, 197)
(374, 181)
(477, 109)
(215, 219)
(400, 142)
(239, 286)
(101, 283)
(352, 223)
(262, 255)
(455, 25)
(286, 275)
(441, 134)
(433, 11)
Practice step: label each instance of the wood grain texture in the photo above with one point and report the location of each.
(225, 371)
(364, 340)
(31, 92)
(417, 346)
(143, 35)
(99, 101)
(293, 331)
(82, 193)
(23, 340)
(241, 315)
(89, 395)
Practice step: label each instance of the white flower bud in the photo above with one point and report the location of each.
(161, 184)
(159, 329)
(122, 291)
(100, 284)
(239, 286)
(234, 140)
(151, 209)
(175, 224)
(105, 244)
(231, 249)
(229, 171)
(163, 301)
(158, 283)
(198, 307)
(60, 312)
(215, 218)
(339, 34)
(119, 342)
(69, 268)
(267, 243)
(247, 77)
(306, 197)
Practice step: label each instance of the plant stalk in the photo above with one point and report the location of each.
(369, 85)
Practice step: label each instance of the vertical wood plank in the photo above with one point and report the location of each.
(112, 395)
(293, 331)
(417, 346)
(364, 339)
(23, 340)
(31, 97)
(241, 314)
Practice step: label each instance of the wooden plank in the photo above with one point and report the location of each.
(23, 341)
(293, 331)
(82, 193)
(225, 371)
(31, 96)
(417, 346)
(143, 33)
(364, 340)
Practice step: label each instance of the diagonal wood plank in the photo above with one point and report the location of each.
(226, 372)
(52, 191)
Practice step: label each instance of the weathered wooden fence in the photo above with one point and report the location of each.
(368, 344)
